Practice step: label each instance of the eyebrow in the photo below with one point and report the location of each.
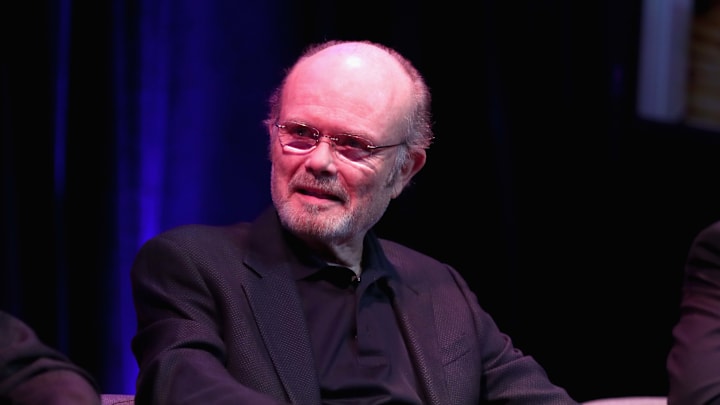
(332, 133)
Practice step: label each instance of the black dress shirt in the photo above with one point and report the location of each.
(359, 350)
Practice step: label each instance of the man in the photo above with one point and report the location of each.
(32, 373)
(306, 305)
(693, 363)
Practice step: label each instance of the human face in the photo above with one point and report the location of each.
(320, 196)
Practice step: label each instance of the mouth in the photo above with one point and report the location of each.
(319, 194)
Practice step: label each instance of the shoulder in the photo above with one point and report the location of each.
(199, 239)
(399, 253)
(29, 368)
(704, 254)
(195, 232)
(265, 226)
(417, 267)
(711, 232)
(707, 241)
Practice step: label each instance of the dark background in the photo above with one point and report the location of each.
(568, 213)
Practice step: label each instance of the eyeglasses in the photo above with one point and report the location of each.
(301, 138)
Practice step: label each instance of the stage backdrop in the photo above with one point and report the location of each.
(569, 215)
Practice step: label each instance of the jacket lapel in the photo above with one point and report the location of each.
(284, 331)
(414, 311)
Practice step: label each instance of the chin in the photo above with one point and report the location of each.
(320, 225)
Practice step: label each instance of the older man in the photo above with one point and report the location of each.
(306, 305)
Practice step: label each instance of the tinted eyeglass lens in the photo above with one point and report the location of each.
(351, 141)
(303, 137)
(352, 147)
(298, 136)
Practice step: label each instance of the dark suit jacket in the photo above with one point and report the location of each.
(33, 373)
(221, 322)
(693, 363)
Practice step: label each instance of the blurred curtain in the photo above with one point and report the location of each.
(122, 119)
(190, 144)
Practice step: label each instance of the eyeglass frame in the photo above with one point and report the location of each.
(369, 147)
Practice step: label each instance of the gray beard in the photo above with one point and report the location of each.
(311, 223)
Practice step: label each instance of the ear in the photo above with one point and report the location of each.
(415, 162)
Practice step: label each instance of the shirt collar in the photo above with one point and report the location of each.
(374, 263)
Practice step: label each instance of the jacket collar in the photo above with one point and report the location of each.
(285, 333)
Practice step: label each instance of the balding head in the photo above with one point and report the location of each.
(374, 78)
(358, 75)
(348, 130)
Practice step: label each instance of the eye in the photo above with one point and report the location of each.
(301, 131)
(352, 141)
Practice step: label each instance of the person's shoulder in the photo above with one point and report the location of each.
(195, 233)
(396, 251)
(420, 269)
(712, 230)
(707, 237)
(238, 229)
(204, 229)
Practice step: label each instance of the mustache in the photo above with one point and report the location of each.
(323, 185)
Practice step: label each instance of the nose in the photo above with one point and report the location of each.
(327, 139)
(322, 158)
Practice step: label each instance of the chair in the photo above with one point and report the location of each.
(628, 401)
(117, 399)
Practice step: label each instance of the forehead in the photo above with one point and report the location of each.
(363, 86)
